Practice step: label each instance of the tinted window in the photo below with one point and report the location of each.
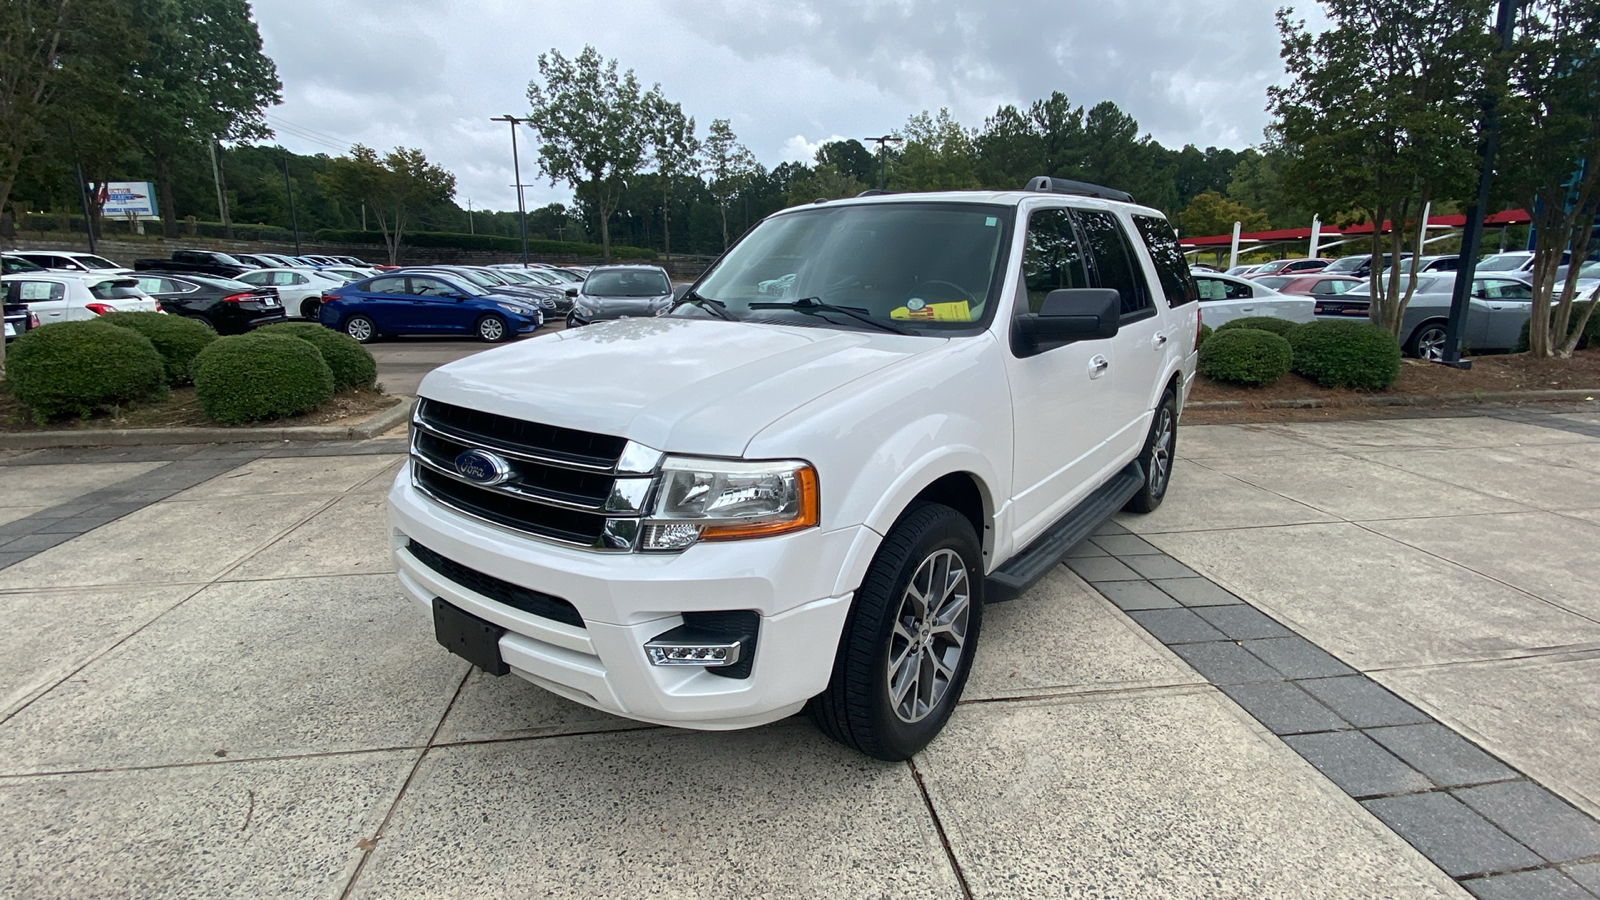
(1051, 259)
(622, 283)
(11, 264)
(121, 289)
(1505, 290)
(430, 287)
(1329, 286)
(1171, 267)
(1274, 281)
(386, 286)
(1114, 265)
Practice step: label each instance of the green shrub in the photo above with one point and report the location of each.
(1205, 332)
(352, 364)
(1346, 354)
(1277, 326)
(250, 377)
(177, 339)
(1591, 329)
(1245, 356)
(76, 368)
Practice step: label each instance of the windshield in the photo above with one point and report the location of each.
(512, 277)
(13, 264)
(1275, 281)
(477, 278)
(1502, 262)
(1346, 264)
(561, 274)
(627, 283)
(95, 262)
(932, 266)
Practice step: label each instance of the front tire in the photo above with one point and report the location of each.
(492, 329)
(1160, 447)
(363, 329)
(910, 638)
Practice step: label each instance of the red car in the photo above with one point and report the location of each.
(1310, 285)
(1290, 267)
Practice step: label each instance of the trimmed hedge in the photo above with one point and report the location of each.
(250, 377)
(352, 364)
(1591, 329)
(177, 339)
(1205, 332)
(453, 240)
(76, 368)
(1279, 327)
(1349, 354)
(1245, 356)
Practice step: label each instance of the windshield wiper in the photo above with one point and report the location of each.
(815, 305)
(716, 306)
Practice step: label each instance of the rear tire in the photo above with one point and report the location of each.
(311, 310)
(196, 317)
(1427, 342)
(363, 329)
(902, 661)
(1160, 448)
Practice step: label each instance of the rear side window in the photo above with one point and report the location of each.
(1052, 259)
(122, 289)
(34, 291)
(1114, 264)
(1171, 267)
(386, 286)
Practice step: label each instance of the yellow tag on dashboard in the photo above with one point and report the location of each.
(917, 310)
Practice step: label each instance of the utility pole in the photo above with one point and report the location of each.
(471, 228)
(83, 192)
(516, 171)
(1472, 234)
(222, 199)
(883, 157)
(294, 223)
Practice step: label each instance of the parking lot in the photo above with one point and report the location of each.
(212, 686)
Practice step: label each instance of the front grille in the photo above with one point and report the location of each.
(559, 445)
(505, 509)
(529, 601)
(561, 485)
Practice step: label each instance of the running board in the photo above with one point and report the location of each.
(1024, 570)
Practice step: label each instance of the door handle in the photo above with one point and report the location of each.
(1160, 341)
(1098, 366)
(1247, 309)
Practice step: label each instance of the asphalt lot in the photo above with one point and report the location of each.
(402, 362)
(218, 690)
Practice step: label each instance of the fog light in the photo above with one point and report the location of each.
(677, 653)
(671, 536)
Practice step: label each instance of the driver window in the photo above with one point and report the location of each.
(1052, 259)
(428, 287)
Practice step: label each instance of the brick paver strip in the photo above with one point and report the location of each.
(1495, 831)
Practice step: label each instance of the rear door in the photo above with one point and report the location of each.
(1140, 349)
(387, 301)
(436, 306)
(1062, 399)
(46, 299)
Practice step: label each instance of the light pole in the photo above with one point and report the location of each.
(288, 190)
(516, 170)
(883, 156)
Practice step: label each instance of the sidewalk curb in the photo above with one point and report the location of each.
(1461, 399)
(145, 437)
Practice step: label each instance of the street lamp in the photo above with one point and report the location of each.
(883, 158)
(516, 169)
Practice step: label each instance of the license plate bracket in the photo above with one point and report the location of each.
(469, 637)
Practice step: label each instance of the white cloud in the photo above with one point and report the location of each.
(798, 149)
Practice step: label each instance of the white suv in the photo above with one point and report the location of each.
(802, 483)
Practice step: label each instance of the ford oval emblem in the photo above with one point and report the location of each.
(482, 467)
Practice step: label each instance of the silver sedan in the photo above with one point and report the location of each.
(1499, 304)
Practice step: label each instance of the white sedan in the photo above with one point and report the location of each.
(1224, 297)
(300, 289)
(62, 297)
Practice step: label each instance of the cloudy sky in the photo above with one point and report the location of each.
(789, 75)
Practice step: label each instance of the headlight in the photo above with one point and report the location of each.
(514, 308)
(725, 500)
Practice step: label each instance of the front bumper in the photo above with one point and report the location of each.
(628, 599)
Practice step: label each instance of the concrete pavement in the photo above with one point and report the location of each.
(222, 692)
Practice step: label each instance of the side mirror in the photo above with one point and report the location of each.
(1067, 316)
(572, 292)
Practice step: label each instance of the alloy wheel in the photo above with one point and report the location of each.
(360, 329)
(929, 636)
(491, 329)
(1161, 452)
(1430, 345)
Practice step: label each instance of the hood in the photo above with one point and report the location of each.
(681, 385)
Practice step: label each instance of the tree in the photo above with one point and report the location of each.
(202, 79)
(939, 154)
(823, 183)
(730, 165)
(1210, 213)
(394, 188)
(1046, 139)
(1378, 118)
(594, 128)
(1256, 180)
(850, 159)
(675, 151)
(1550, 161)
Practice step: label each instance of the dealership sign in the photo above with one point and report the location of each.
(121, 199)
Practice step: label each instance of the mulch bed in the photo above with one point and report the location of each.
(181, 410)
(1421, 380)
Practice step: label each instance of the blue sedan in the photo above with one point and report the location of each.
(432, 303)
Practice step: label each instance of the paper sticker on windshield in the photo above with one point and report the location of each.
(919, 310)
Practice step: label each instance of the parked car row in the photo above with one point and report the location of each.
(1498, 306)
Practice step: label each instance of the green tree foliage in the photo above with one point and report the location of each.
(394, 188)
(1045, 139)
(849, 159)
(594, 127)
(939, 154)
(1256, 180)
(675, 151)
(1211, 213)
(824, 183)
(201, 78)
(1378, 116)
(729, 165)
(1550, 158)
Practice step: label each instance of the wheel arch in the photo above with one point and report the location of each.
(959, 487)
(1410, 343)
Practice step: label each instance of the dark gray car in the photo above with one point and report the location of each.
(618, 292)
(1499, 304)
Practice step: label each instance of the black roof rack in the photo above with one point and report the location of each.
(1081, 188)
